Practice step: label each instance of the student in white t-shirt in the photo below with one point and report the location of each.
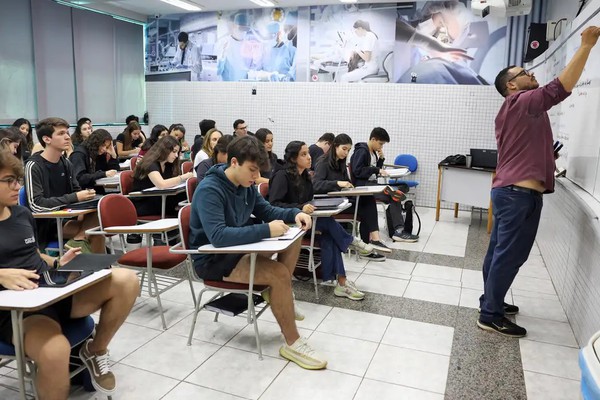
(364, 54)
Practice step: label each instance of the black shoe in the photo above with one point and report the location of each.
(134, 238)
(505, 327)
(509, 309)
(373, 257)
(380, 246)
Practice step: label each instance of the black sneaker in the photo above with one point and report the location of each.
(373, 257)
(380, 246)
(509, 309)
(404, 237)
(505, 327)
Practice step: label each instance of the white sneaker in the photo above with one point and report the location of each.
(361, 247)
(331, 282)
(349, 290)
(301, 353)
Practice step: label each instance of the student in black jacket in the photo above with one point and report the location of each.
(291, 187)
(90, 160)
(331, 174)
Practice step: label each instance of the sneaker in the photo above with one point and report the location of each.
(380, 246)
(361, 247)
(404, 237)
(349, 290)
(395, 195)
(98, 365)
(505, 327)
(330, 282)
(374, 257)
(509, 309)
(301, 353)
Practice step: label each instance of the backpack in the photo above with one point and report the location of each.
(457, 159)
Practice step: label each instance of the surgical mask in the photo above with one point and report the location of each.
(427, 27)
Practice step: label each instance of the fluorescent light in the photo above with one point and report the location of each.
(182, 4)
(349, 1)
(263, 3)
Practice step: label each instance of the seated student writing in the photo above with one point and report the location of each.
(51, 184)
(20, 265)
(331, 174)
(222, 210)
(90, 160)
(158, 132)
(366, 165)
(130, 141)
(159, 168)
(219, 156)
(178, 132)
(291, 187)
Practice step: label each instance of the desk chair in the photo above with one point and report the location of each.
(186, 167)
(409, 161)
(221, 287)
(263, 189)
(190, 187)
(385, 69)
(76, 331)
(118, 210)
(134, 161)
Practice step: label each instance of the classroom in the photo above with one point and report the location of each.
(327, 199)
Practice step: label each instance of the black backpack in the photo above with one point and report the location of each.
(457, 159)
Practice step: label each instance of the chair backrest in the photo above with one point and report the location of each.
(187, 167)
(134, 161)
(126, 182)
(184, 225)
(190, 187)
(263, 189)
(22, 197)
(407, 160)
(116, 210)
(388, 63)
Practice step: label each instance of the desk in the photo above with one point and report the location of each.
(113, 181)
(462, 185)
(59, 216)
(163, 193)
(357, 192)
(18, 302)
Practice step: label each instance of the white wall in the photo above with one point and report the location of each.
(429, 121)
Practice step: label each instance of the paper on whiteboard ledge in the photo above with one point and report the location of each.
(292, 233)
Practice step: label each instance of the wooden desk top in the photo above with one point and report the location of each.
(64, 213)
(264, 246)
(465, 167)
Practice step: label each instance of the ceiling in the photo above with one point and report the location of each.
(141, 9)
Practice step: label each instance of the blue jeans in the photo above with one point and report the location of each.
(516, 220)
(334, 240)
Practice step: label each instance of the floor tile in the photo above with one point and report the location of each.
(387, 270)
(550, 359)
(207, 330)
(188, 391)
(133, 384)
(438, 272)
(314, 314)
(271, 338)
(177, 359)
(547, 331)
(444, 248)
(431, 292)
(436, 281)
(469, 298)
(419, 336)
(182, 294)
(540, 308)
(534, 271)
(533, 284)
(381, 284)
(129, 338)
(147, 313)
(546, 387)
(472, 279)
(542, 296)
(343, 354)
(237, 372)
(411, 368)
(355, 324)
(295, 383)
(370, 390)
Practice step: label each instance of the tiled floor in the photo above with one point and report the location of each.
(413, 337)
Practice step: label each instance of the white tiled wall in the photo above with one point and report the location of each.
(569, 238)
(429, 121)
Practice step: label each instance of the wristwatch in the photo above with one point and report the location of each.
(56, 263)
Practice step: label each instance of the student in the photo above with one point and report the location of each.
(178, 132)
(331, 174)
(158, 132)
(366, 165)
(160, 168)
(51, 184)
(291, 187)
(210, 140)
(240, 128)
(24, 127)
(11, 140)
(82, 132)
(222, 212)
(20, 265)
(321, 147)
(219, 156)
(89, 160)
(130, 141)
(205, 125)
(266, 137)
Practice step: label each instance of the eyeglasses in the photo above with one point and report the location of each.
(13, 182)
(524, 72)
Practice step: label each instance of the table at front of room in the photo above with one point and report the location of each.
(462, 185)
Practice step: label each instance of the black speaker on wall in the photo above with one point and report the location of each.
(536, 42)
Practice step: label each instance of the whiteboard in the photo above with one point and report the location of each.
(576, 121)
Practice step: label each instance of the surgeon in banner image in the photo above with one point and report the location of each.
(279, 54)
(188, 56)
(238, 52)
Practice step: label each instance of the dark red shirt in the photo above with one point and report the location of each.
(524, 136)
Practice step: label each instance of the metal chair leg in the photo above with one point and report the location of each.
(196, 311)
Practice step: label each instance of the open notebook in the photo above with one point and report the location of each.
(291, 234)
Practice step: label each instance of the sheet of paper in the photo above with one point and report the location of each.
(292, 233)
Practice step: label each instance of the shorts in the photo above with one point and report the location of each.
(59, 312)
(216, 266)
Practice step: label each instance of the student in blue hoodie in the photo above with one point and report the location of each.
(221, 215)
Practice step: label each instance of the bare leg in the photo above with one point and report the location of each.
(289, 258)
(374, 236)
(114, 297)
(49, 349)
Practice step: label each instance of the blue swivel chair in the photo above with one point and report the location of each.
(409, 161)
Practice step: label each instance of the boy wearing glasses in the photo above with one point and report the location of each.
(525, 171)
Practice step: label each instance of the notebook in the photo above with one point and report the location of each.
(328, 203)
(91, 262)
(85, 205)
(232, 304)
